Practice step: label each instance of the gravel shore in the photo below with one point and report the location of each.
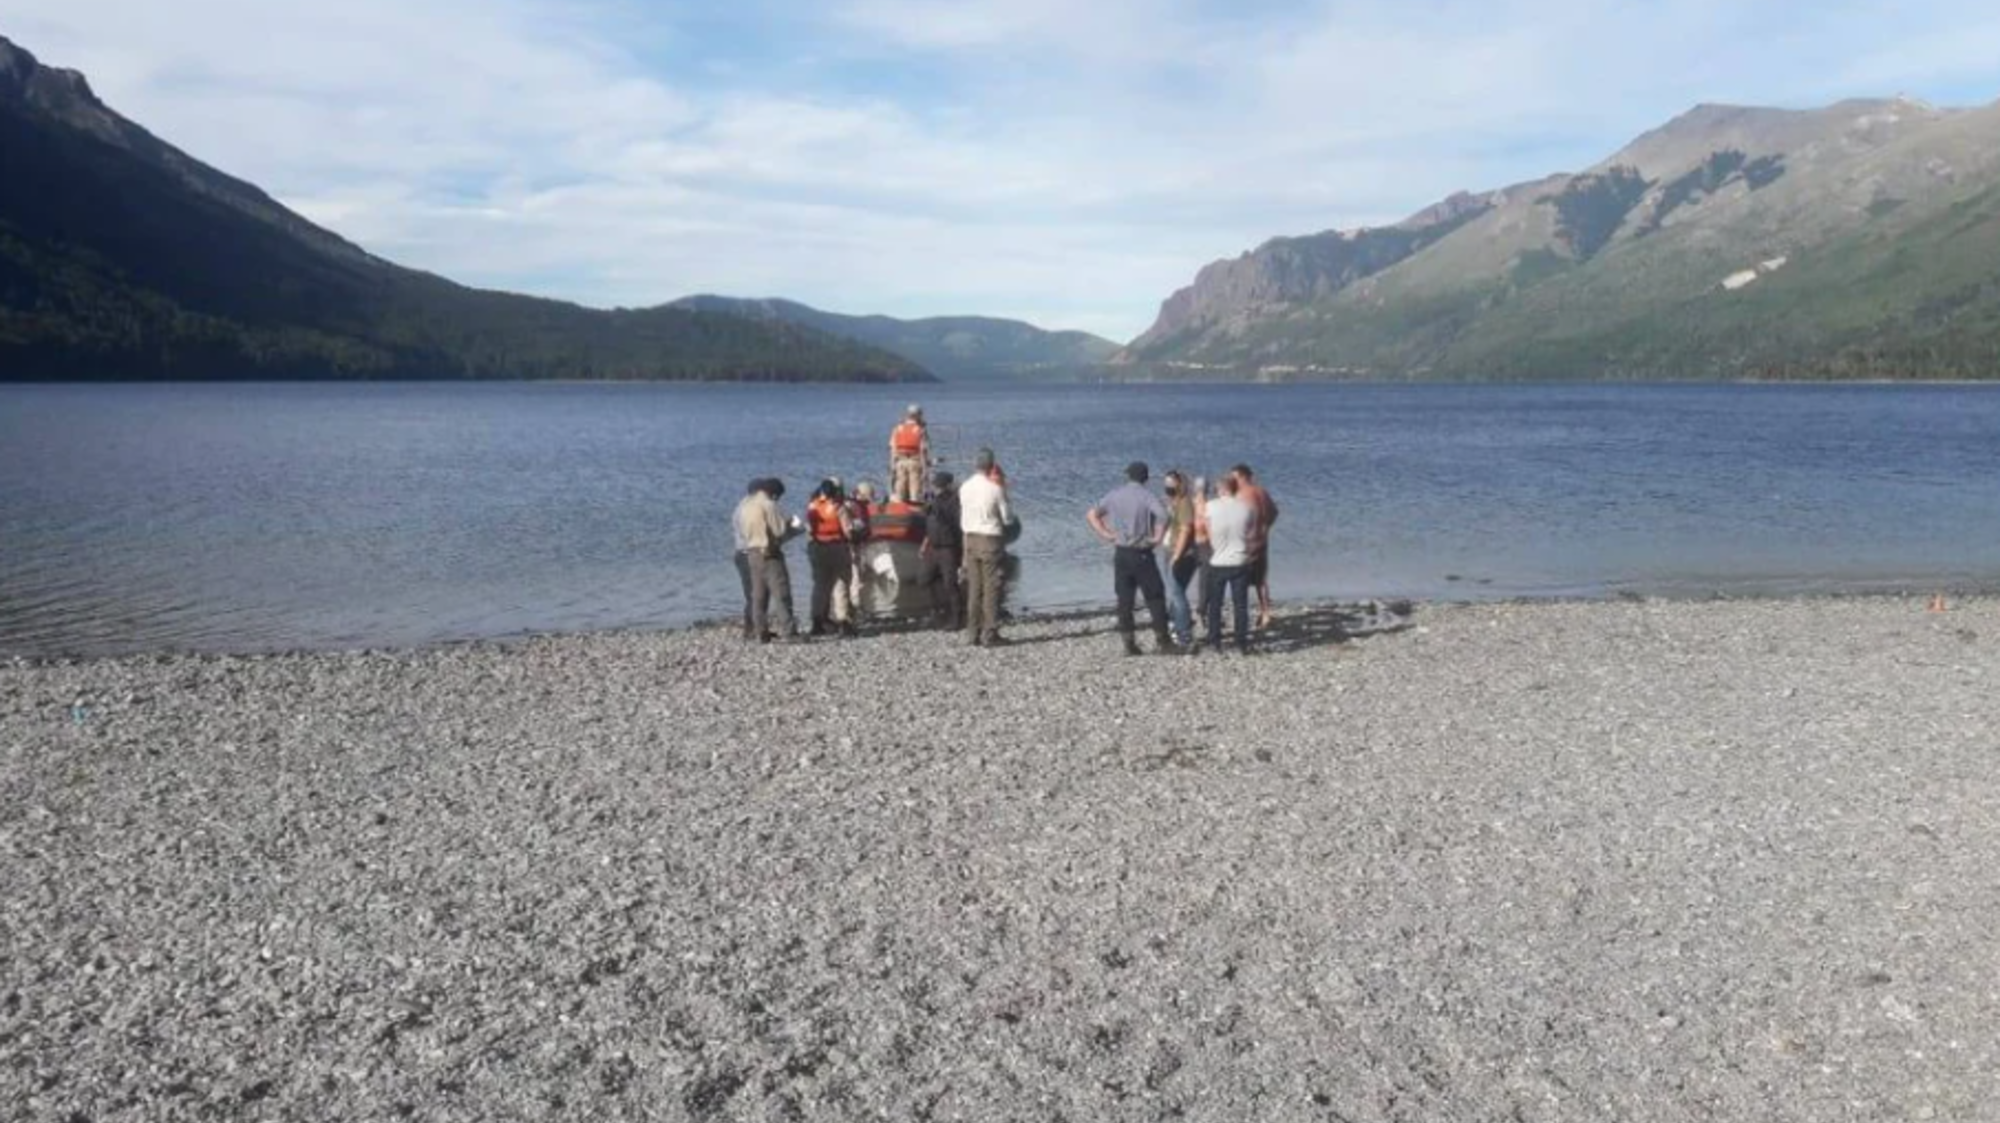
(1605, 861)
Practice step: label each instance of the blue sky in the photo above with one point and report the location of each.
(1070, 162)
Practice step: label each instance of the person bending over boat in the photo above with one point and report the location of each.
(860, 504)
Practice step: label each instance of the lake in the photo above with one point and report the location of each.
(146, 518)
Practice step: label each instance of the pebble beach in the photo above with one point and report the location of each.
(1625, 860)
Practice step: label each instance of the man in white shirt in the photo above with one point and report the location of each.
(1232, 527)
(984, 514)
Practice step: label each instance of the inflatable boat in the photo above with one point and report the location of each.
(897, 581)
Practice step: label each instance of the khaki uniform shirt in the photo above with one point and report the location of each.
(760, 527)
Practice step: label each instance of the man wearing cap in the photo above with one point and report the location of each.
(984, 514)
(909, 456)
(1133, 521)
(944, 547)
(763, 529)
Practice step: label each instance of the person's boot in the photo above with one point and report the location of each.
(818, 628)
(1163, 641)
(1131, 645)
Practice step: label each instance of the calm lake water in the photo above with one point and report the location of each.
(228, 518)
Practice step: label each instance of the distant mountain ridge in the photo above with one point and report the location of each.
(1861, 240)
(122, 257)
(952, 347)
(1286, 271)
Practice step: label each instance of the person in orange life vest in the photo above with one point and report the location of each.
(909, 456)
(830, 551)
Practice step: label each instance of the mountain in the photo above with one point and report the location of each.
(1290, 271)
(122, 257)
(952, 347)
(1861, 240)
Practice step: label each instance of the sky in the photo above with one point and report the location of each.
(1068, 162)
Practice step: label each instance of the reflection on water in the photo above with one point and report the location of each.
(139, 518)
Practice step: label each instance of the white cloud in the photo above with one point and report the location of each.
(1070, 161)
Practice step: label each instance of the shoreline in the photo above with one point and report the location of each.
(1285, 608)
(1652, 860)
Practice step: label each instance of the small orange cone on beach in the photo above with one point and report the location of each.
(1937, 602)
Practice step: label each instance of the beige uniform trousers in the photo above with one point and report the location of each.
(907, 479)
(985, 585)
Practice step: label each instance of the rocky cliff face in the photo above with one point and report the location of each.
(1287, 271)
(1459, 207)
(63, 95)
(1856, 240)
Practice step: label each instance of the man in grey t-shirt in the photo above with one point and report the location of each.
(1132, 520)
(1232, 526)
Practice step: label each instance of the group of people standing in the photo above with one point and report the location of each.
(1216, 541)
(1212, 540)
(959, 529)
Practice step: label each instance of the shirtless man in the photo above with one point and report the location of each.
(1259, 569)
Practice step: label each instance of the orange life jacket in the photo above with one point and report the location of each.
(823, 520)
(908, 439)
(896, 521)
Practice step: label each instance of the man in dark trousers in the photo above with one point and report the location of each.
(944, 546)
(830, 552)
(1132, 520)
(1266, 509)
